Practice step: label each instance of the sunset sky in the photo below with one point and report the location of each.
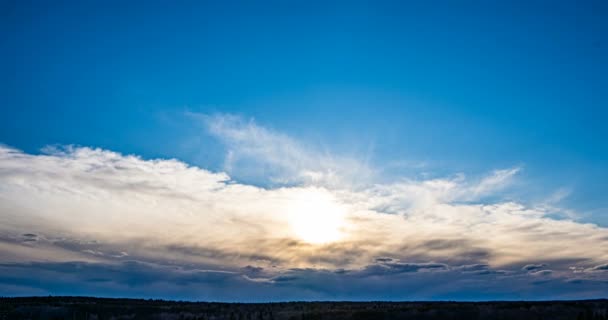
(304, 150)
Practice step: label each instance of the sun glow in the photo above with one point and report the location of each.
(315, 217)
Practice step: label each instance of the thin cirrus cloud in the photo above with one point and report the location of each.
(144, 227)
(272, 157)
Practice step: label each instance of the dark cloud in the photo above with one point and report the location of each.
(451, 251)
(601, 267)
(415, 267)
(541, 272)
(445, 244)
(219, 254)
(252, 269)
(336, 255)
(386, 266)
(472, 267)
(285, 278)
(491, 272)
(428, 280)
(532, 267)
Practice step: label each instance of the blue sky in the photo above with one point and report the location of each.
(460, 86)
(503, 100)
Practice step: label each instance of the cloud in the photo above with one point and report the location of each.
(383, 267)
(143, 279)
(498, 180)
(533, 267)
(266, 156)
(79, 207)
(541, 272)
(474, 267)
(598, 268)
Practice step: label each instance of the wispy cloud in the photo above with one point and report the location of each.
(269, 156)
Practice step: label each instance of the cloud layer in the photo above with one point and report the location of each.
(109, 223)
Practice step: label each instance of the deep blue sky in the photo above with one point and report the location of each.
(463, 86)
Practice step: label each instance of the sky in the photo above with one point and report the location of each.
(304, 150)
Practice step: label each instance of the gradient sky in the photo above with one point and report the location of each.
(304, 150)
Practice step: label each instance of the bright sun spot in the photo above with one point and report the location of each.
(315, 217)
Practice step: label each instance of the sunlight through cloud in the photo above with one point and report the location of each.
(315, 217)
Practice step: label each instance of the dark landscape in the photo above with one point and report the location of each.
(104, 308)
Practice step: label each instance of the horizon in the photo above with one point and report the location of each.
(295, 301)
(341, 151)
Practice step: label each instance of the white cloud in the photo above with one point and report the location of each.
(258, 153)
(97, 205)
(496, 181)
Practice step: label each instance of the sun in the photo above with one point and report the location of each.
(315, 217)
